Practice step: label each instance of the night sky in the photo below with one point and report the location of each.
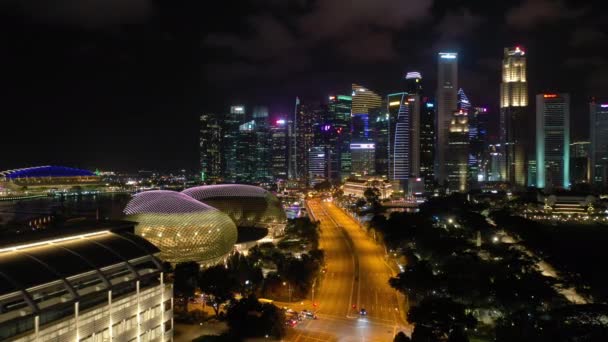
(119, 84)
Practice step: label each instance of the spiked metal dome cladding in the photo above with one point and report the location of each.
(183, 228)
(247, 205)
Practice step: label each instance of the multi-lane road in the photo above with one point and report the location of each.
(357, 277)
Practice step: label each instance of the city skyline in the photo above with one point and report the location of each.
(135, 83)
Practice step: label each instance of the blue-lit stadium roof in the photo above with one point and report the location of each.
(45, 171)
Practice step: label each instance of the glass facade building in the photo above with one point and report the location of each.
(598, 135)
(458, 153)
(210, 145)
(553, 141)
(446, 103)
(427, 143)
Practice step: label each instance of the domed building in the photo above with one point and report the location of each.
(183, 228)
(48, 178)
(247, 205)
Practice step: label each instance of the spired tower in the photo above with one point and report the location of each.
(514, 123)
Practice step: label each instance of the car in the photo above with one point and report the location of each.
(309, 314)
(363, 312)
(291, 322)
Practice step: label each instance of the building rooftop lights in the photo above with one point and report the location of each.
(52, 241)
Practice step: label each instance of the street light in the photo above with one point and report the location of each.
(288, 289)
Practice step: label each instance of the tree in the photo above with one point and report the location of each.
(440, 315)
(458, 335)
(220, 284)
(185, 279)
(416, 281)
(249, 318)
(401, 337)
(323, 186)
(372, 195)
(248, 276)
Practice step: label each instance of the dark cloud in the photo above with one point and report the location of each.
(90, 14)
(587, 36)
(533, 12)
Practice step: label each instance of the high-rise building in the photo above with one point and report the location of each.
(364, 104)
(457, 160)
(413, 82)
(404, 139)
(553, 141)
(580, 171)
(263, 145)
(463, 101)
(246, 153)
(339, 118)
(230, 131)
(317, 164)
(478, 131)
(363, 159)
(514, 122)
(380, 138)
(301, 139)
(598, 134)
(494, 164)
(210, 144)
(279, 148)
(427, 143)
(446, 103)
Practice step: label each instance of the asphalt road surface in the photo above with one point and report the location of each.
(357, 274)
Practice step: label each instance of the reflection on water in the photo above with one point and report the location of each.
(100, 206)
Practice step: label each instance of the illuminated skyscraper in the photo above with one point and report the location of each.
(580, 171)
(210, 144)
(447, 87)
(279, 148)
(478, 131)
(365, 104)
(233, 120)
(553, 141)
(339, 117)
(463, 101)
(380, 138)
(457, 160)
(404, 139)
(246, 158)
(514, 122)
(427, 143)
(301, 137)
(598, 133)
(263, 145)
(413, 82)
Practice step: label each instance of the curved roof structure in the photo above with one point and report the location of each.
(164, 202)
(45, 171)
(183, 228)
(225, 190)
(247, 205)
(29, 265)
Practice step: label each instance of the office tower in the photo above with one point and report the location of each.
(427, 143)
(230, 132)
(463, 101)
(494, 165)
(263, 143)
(380, 138)
(210, 144)
(339, 119)
(306, 118)
(363, 159)
(478, 131)
(514, 122)
(457, 160)
(279, 148)
(553, 141)
(580, 171)
(598, 134)
(404, 139)
(446, 103)
(413, 82)
(317, 165)
(246, 153)
(364, 100)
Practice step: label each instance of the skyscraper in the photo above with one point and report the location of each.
(457, 160)
(230, 130)
(263, 145)
(598, 134)
(339, 118)
(427, 143)
(404, 139)
(380, 138)
(301, 139)
(446, 103)
(478, 131)
(364, 104)
(553, 141)
(463, 101)
(413, 82)
(580, 172)
(210, 144)
(246, 157)
(279, 148)
(514, 123)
